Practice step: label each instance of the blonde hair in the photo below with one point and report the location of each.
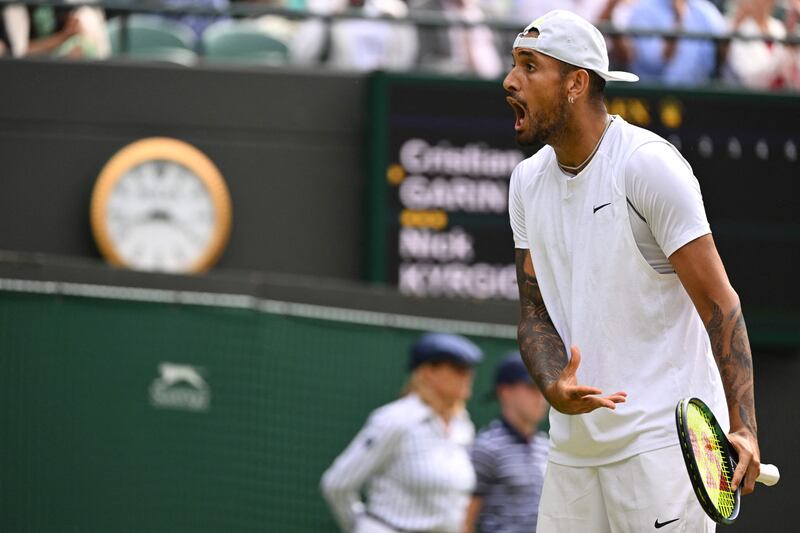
(417, 384)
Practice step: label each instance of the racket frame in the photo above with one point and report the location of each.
(728, 455)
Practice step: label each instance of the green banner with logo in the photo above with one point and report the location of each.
(133, 416)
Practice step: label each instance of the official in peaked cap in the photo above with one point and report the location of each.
(411, 458)
(437, 347)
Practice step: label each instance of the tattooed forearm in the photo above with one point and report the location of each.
(540, 345)
(731, 349)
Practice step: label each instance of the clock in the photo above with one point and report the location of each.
(160, 204)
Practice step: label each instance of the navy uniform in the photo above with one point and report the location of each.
(510, 462)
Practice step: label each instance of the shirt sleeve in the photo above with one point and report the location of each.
(484, 465)
(516, 210)
(715, 20)
(369, 451)
(663, 190)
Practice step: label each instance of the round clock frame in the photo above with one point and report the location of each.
(172, 151)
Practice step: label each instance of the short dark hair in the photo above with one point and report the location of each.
(597, 85)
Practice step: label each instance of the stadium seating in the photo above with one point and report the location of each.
(153, 37)
(243, 42)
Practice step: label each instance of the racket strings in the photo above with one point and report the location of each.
(714, 470)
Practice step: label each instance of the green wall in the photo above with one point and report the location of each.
(83, 447)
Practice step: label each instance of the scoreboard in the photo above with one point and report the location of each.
(441, 165)
(442, 151)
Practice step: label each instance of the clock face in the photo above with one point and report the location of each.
(161, 205)
(160, 217)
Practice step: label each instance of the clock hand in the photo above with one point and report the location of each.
(187, 231)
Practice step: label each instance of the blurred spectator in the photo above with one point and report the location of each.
(496, 9)
(620, 48)
(457, 50)
(592, 10)
(411, 457)
(791, 74)
(616, 12)
(510, 456)
(45, 30)
(198, 23)
(364, 44)
(309, 40)
(675, 61)
(757, 64)
(4, 46)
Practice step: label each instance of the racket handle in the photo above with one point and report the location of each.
(769, 475)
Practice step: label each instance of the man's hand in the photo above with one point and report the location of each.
(749, 465)
(566, 396)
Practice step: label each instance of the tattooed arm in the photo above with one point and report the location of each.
(543, 350)
(700, 269)
(540, 344)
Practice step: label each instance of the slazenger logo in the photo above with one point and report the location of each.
(180, 387)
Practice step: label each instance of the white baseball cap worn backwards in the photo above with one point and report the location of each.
(567, 37)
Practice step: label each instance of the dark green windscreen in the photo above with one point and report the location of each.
(127, 416)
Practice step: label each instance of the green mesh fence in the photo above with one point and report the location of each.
(119, 415)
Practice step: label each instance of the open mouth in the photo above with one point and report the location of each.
(519, 111)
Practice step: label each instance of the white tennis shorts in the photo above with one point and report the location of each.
(647, 492)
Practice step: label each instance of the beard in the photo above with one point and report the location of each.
(545, 126)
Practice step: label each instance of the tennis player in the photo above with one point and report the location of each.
(626, 306)
(411, 458)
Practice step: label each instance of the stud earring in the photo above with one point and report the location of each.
(571, 99)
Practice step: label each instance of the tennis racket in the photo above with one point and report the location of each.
(711, 459)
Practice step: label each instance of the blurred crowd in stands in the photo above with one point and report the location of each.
(369, 41)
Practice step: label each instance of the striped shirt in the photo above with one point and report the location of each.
(416, 472)
(510, 470)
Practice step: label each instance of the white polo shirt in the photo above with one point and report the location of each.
(636, 327)
(416, 471)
